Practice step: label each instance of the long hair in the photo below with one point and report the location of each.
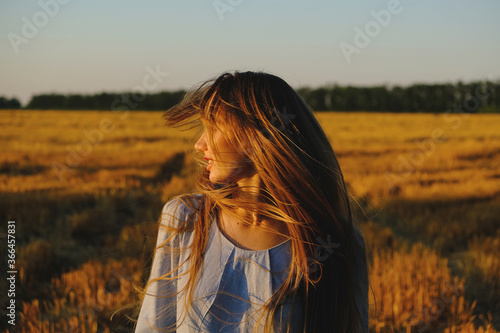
(301, 185)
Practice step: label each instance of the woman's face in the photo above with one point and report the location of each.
(226, 163)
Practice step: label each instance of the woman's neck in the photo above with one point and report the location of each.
(248, 188)
(247, 229)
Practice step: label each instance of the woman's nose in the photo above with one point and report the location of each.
(201, 144)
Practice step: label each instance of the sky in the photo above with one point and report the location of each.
(90, 46)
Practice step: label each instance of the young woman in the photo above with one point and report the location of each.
(268, 244)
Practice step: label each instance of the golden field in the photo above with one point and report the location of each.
(86, 189)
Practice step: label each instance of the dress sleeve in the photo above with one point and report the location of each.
(158, 309)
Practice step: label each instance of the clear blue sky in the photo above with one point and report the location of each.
(88, 46)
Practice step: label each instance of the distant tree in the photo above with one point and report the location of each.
(396, 96)
(351, 98)
(317, 99)
(12, 103)
(104, 101)
(378, 98)
(48, 101)
(161, 100)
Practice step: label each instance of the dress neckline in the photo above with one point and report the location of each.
(226, 240)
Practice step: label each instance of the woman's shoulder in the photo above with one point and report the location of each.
(359, 238)
(360, 251)
(178, 216)
(180, 209)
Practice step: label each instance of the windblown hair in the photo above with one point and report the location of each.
(301, 185)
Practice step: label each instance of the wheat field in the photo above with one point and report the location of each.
(86, 189)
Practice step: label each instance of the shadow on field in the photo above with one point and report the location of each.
(57, 232)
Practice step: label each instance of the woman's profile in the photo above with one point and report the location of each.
(268, 242)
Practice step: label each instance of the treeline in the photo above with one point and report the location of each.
(471, 97)
(12, 103)
(460, 97)
(107, 101)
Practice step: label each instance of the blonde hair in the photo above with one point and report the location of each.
(302, 186)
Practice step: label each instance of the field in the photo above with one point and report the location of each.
(85, 190)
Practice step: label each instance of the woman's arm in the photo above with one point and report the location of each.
(159, 304)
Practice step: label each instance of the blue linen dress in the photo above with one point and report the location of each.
(233, 284)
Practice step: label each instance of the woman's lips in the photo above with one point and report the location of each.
(209, 162)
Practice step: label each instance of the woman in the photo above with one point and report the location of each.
(268, 243)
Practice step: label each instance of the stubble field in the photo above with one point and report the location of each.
(85, 190)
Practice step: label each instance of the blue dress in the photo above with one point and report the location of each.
(233, 283)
